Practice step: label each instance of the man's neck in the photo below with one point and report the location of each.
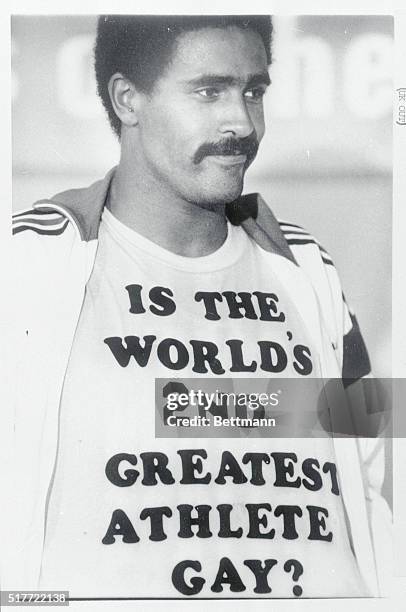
(170, 222)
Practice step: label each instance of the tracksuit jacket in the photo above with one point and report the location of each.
(55, 247)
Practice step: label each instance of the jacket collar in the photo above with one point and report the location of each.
(84, 207)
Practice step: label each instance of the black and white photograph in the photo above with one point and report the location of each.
(198, 403)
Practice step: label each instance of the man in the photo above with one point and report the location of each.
(163, 269)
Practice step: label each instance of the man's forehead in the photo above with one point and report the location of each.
(230, 52)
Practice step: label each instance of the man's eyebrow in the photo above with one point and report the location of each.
(260, 78)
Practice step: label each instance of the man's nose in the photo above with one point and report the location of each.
(236, 119)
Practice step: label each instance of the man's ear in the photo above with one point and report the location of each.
(123, 96)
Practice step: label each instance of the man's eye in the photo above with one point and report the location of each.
(209, 92)
(255, 94)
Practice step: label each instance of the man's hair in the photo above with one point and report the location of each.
(140, 47)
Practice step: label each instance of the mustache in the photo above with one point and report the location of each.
(231, 146)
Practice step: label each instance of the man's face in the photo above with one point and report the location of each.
(199, 129)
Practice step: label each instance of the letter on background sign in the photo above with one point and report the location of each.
(75, 78)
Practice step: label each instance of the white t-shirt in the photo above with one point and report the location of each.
(134, 515)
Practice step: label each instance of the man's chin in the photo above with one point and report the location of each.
(224, 192)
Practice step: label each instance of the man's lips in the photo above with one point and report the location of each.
(229, 160)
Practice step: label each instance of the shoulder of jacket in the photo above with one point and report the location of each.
(43, 221)
(80, 209)
(319, 267)
(300, 241)
(42, 239)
